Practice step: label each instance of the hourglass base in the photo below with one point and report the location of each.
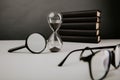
(54, 49)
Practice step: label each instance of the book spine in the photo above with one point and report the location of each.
(81, 20)
(80, 26)
(68, 32)
(85, 13)
(81, 39)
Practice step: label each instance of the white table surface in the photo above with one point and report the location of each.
(23, 65)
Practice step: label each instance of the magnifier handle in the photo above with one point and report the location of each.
(16, 48)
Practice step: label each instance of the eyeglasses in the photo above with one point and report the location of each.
(99, 61)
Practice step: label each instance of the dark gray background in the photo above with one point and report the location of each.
(18, 18)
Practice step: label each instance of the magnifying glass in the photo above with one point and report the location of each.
(35, 43)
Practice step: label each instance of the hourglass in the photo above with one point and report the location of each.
(54, 41)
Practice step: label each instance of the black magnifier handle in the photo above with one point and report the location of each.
(16, 48)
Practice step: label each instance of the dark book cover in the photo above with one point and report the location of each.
(83, 39)
(80, 26)
(67, 32)
(81, 20)
(82, 13)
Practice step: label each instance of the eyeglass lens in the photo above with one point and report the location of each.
(100, 64)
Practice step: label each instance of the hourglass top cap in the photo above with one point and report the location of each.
(55, 16)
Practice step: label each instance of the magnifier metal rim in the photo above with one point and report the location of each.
(26, 44)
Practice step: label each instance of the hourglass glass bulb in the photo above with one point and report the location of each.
(54, 20)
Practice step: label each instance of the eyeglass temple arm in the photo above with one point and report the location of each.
(62, 62)
(103, 47)
(16, 48)
(88, 48)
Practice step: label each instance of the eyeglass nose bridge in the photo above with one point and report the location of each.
(112, 58)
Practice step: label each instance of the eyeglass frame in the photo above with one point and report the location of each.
(89, 58)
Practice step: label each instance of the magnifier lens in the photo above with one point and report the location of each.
(36, 43)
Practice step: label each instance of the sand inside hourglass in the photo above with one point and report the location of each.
(55, 24)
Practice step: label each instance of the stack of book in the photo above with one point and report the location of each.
(81, 26)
